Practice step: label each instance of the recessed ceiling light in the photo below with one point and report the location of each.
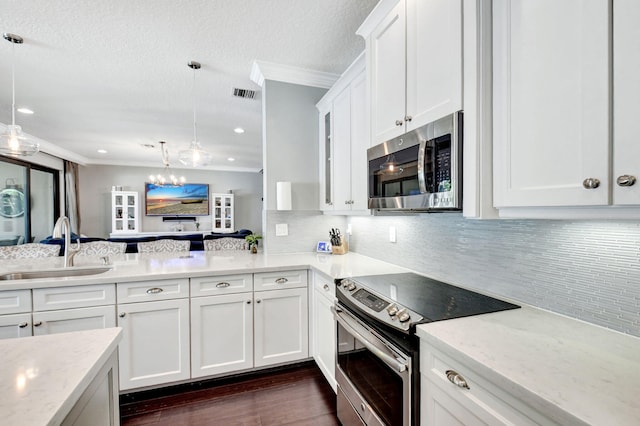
(231, 159)
(102, 151)
(25, 110)
(238, 130)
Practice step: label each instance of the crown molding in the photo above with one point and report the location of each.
(261, 71)
(376, 16)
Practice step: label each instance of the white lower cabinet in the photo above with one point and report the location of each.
(221, 334)
(281, 326)
(454, 394)
(68, 320)
(155, 334)
(16, 325)
(323, 327)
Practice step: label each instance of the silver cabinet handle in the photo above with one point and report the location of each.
(326, 287)
(626, 180)
(408, 118)
(37, 324)
(122, 314)
(399, 123)
(281, 281)
(248, 302)
(456, 379)
(223, 285)
(591, 183)
(154, 290)
(23, 324)
(258, 301)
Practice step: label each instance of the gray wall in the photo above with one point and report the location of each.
(95, 196)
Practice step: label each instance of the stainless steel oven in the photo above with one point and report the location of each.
(377, 350)
(374, 376)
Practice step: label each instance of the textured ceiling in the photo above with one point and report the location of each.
(113, 75)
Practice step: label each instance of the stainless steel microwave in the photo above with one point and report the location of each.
(420, 170)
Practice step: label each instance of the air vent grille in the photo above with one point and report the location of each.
(244, 93)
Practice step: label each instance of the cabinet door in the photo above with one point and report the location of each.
(360, 142)
(155, 343)
(281, 332)
(626, 126)
(434, 60)
(388, 78)
(221, 334)
(326, 162)
(67, 320)
(342, 149)
(17, 325)
(551, 102)
(323, 331)
(438, 408)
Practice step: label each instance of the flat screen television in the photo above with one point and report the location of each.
(190, 199)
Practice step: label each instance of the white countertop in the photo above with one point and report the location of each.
(137, 267)
(567, 369)
(42, 377)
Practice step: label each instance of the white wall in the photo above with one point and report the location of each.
(95, 196)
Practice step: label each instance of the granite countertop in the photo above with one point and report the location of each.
(569, 370)
(139, 267)
(42, 377)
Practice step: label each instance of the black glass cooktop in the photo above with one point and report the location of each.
(432, 299)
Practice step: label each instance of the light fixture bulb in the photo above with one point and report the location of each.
(160, 179)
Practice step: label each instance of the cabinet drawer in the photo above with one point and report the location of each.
(68, 320)
(482, 398)
(222, 284)
(15, 301)
(82, 296)
(324, 285)
(278, 280)
(145, 291)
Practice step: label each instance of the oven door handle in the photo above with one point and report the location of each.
(387, 359)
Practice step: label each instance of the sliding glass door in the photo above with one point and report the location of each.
(28, 201)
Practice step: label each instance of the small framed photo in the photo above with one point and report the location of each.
(323, 247)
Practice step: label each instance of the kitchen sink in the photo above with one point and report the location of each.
(53, 273)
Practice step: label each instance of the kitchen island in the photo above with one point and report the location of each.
(68, 378)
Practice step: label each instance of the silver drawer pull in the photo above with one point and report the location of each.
(122, 315)
(325, 287)
(23, 324)
(626, 180)
(223, 285)
(154, 290)
(37, 324)
(281, 281)
(457, 379)
(591, 183)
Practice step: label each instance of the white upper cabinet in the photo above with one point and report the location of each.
(626, 92)
(551, 103)
(415, 59)
(565, 108)
(344, 140)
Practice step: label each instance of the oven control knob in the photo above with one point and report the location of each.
(393, 310)
(350, 286)
(403, 315)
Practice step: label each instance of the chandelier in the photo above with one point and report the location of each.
(166, 178)
(194, 156)
(12, 141)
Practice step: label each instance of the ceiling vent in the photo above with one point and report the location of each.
(244, 93)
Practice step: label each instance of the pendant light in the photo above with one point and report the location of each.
(195, 156)
(390, 167)
(166, 178)
(13, 142)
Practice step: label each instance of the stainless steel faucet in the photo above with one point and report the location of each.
(63, 227)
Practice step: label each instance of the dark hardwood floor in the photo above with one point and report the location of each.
(299, 395)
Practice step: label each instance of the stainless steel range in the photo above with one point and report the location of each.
(377, 349)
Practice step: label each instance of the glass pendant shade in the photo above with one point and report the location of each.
(390, 166)
(12, 141)
(195, 156)
(16, 144)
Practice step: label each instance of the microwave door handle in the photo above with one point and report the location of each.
(387, 359)
(422, 152)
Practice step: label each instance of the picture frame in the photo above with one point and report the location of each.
(323, 247)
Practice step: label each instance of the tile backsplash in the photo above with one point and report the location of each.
(588, 270)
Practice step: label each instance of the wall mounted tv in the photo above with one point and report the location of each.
(190, 199)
